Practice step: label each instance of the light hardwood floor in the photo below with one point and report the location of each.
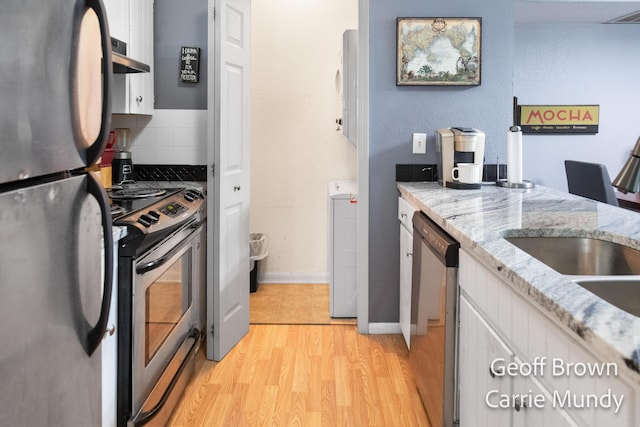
(302, 304)
(304, 375)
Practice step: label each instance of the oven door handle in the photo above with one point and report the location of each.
(160, 261)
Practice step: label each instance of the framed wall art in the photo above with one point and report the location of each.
(438, 51)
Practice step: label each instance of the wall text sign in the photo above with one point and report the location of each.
(559, 119)
(189, 64)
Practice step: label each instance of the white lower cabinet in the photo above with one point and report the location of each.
(494, 390)
(405, 215)
(109, 349)
(406, 264)
(544, 383)
(534, 405)
(478, 385)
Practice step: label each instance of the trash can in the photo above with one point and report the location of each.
(257, 252)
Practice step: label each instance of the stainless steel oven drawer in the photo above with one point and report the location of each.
(165, 395)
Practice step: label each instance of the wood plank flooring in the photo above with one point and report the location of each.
(301, 304)
(304, 375)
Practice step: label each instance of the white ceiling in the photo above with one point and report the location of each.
(529, 11)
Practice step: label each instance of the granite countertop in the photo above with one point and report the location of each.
(194, 185)
(480, 219)
(118, 232)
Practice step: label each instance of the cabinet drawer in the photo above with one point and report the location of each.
(405, 214)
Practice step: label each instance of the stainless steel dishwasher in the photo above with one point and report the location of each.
(434, 302)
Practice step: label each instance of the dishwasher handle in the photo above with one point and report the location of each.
(436, 239)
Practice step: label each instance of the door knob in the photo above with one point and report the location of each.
(498, 371)
(139, 98)
(236, 188)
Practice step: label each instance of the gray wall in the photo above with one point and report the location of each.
(579, 64)
(177, 24)
(397, 112)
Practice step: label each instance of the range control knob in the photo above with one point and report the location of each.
(153, 215)
(191, 195)
(145, 220)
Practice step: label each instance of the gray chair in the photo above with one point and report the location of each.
(590, 180)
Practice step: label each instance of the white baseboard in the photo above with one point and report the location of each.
(294, 278)
(384, 328)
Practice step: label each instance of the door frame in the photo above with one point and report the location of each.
(363, 166)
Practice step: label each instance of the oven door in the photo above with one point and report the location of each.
(164, 313)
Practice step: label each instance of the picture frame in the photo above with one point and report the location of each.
(438, 51)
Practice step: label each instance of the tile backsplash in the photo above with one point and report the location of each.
(167, 137)
(416, 172)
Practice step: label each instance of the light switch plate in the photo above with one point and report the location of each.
(419, 143)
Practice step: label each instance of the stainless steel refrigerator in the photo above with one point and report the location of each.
(55, 282)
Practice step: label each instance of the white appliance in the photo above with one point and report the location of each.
(343, 248)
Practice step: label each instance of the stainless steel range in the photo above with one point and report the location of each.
(160, 277)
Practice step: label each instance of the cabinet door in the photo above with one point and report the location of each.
(543, 414)
(118, 16)
(406, 261)
(531, 335)
(141, 96)
(479, 347)
(110, 356)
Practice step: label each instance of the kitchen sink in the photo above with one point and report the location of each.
(581, 256)
(623, 293)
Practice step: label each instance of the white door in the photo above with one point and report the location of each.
(228, 184)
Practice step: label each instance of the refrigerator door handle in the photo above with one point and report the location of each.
(95, 335)
(94, 151)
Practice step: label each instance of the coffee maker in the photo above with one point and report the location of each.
(122, 165)
(122, 168)
(458, 145)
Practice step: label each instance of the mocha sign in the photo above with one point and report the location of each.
(559, 119)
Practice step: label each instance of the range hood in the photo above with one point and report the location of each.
(122, 64)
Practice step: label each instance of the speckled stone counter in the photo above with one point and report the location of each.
(480, 219)
(194, 185)
(118, 233)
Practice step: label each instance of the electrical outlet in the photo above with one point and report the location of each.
(419, 143)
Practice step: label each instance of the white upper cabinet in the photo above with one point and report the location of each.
(141, 94)
(118, 16)
(132, 22)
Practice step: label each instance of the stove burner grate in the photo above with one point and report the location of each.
(137, 193)
(117, 210)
